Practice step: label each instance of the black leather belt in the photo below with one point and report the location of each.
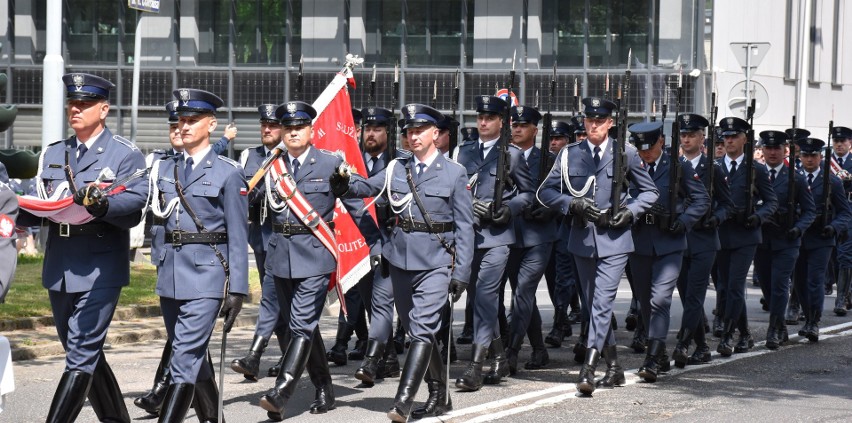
(66, 230)
(287, 229)
(178, 238)
(158, 221)
(415, 226)
(649, 219)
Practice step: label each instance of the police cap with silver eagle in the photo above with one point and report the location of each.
(447, 123)
(295, 113)
(579, 124)
(732, 125)
(525, 114)
(597, 107)
(810, 145)
(267, 113)
(489, 104)
(196, 102)
(84, 86)
(841, 133)
(772, 138)
(357, 116)
(690, 122)
(171, 108)
(645, 134)
(415, 115)
(377, 116)
(560, 128)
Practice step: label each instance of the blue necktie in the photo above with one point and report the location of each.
(421, 167)
(597, 155)
(295, 167)
(651, 168)
(481, 151)
(187, 169)
(733, 167)
(81, 150)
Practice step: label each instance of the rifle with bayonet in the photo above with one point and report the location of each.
(503, 145)
(300, 81)
(749, 162)
(547, 127)
(790, 218)
(454, 131)
(572, 137)
(711, 155)
(392, 126)
(619, 156)
(371, 97)
(676, 171)
(825, 207)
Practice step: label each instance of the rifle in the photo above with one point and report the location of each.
(392, 128)
(749, 161)
(711, 154)
(619, 156)
(676, 171)
(547, 126)
(300, 80)
(435, 95)
(454, 132)
(503, 145)
(826, 179)
(370, 99)
(790, 219)
(572, 138)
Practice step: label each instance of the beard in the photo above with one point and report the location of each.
(372, 147)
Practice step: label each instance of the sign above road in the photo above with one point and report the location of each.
(750, 54)
(145, 5)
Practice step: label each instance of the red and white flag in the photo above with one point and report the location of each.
(334, 130)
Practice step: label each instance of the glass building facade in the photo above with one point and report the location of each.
(248, 52)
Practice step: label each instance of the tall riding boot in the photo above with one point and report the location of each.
(416, 363)
(294, 364)
(105, 395)
(471, 379)
(320, 376)
(177, 402)
(370, 366)
(586, 382)
(153, 399)
(746, 341)
(681, 351)
(772, 340)
(651, 367)
(726, 345)
(792, 315)
(399, 337)
(580, 346)
(283, 341)
(500, 366)
(69, 397)
(439, 401)
(389, 365)
(632, 315)
(554, 338)
(614, 372)
(843, 282)
(512, 353)
(249, 365)
(337, 353)
(206, 401)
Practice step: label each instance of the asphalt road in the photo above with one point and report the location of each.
(801, 382)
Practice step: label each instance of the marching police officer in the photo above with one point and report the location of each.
(818, 240)
(8, 239)
(776, 256)
(535, 232)
(205, 253)
(301, 254)
(429, 251)
(269, 317)
(739, 237)
(494, 234)
(659, 238)
(84, 287)
(702, 243)
(842, 142)
(600, 240)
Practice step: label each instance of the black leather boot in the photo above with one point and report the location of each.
(772, 340)
(812, 333)
(69, 397)
(389, 365)
(651, 367)
(614, 372)
(718, 326)
(586, 382)
(843, 282)
(640, 338)
(471, 379)
(370, 366)
(153, 399)
(360, 350)
(781, 327)
(556, 335)
(177, 402)
(580, 346)
(451, 351)
(792, 315)
(466, 335)
(726, 345)
(681, 351)
(574, 315)
(399, 338)
(337, 353)
(105, 395)
(439, 402)
(512, 353)
(416, 363)
(206, 401)
(746, 341)
(539, 358)
(283, 342)
(632, 315)
(500, 366)
(294, 364)
(701, 355)
(249, 365)
(320, 376)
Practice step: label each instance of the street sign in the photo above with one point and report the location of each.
(750, 54)
(145, 5)
(504, 93)
(739, 98)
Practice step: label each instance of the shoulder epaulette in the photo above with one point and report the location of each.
(126, 142)
(515, 147)
(229, 161)
(403, 154)
(56, 142)
(574, 144)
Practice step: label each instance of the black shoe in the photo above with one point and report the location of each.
(639, 342)
(295, 361)
(680, 354)
(701, 355)
(275, 369)
(337, 353)
(726, 347)
(249, 365)
(415, 368)
(812, 332)
(399, 338)
(539, 359)
(370, 366)
(586, 382)
(580, 347)
(206, 401)
(556, 335)
(745, 343)
(438, 403)
(651, 367)
(69, 397)
(574, 316)
(763, 304)
(718, 327)
(320, 376)
(178, 400)
(829, 289)
(512, 351)
(471, 379)
(153, 399)
(614, 372)
(630, 322)
(499, 366)
(359, 351)
(389, 366)
(466, 335)
(792, 315)
(772, 333)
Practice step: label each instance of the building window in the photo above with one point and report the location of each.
(563, 33)
(837, 44)
(434, 33)
(213, 31)
(92, 31)
(615, 26)
(385, 30)
(261, 32)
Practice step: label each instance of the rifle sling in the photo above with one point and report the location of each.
(426, 218)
